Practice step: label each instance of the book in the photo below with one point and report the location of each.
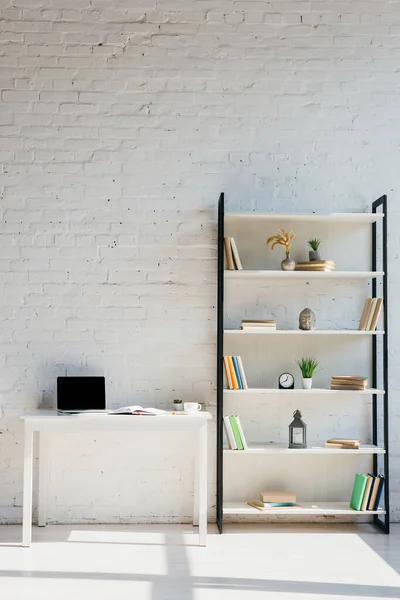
(272, 504)
(236, 257)
(229, 255)
(241, 432)
(380, 491)
(371, 314)
(258, 329)
(339, 446)
(360, 481)
(370, 481)
(229, 434)
(233, 374)
(257, 323)
(276, 496)
(242, 375)
(266, 508)
(374, 493)
(237, 373)
(227, 372)
(137, 410)
(236, 433)
(346, 441)
(365, 314)
(377, 313)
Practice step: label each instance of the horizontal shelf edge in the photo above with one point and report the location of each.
(366, 449)
(304, 332)
(332, 217)
(313, 391)
(277, 274)
(307, 508)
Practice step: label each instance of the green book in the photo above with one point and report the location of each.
(236, 433)
(360, 482)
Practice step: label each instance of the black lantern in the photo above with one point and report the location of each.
(297, 432)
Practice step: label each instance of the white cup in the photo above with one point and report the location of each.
(191, 407)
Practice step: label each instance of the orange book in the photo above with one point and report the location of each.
(233, 374)
(227, 374)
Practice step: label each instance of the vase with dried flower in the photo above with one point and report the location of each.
(284, 239)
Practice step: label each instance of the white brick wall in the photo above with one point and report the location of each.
(120, 124)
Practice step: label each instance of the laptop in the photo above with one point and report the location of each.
(81, 395)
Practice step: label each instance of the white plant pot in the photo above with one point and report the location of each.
(178, 407)
(307, 383)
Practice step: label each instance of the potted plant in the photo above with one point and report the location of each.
(177, 404)
(314, 254)
(308, 366)
(284, 239)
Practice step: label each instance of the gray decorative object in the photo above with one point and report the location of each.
(307, 319)
(288, 264)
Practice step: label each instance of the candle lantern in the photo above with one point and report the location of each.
(297, 432)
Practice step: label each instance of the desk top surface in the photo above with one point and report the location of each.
(48, 415)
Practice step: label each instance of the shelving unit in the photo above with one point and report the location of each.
(375, 399)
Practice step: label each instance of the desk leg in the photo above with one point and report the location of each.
(202, 484)
(27, 491)
(42, 479)
(196, 488)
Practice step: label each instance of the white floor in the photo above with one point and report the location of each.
(163, 562)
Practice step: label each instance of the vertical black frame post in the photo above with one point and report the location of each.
(220, 360)
(381, 203)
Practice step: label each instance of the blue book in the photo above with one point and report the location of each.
(379, 493)
(236, 367)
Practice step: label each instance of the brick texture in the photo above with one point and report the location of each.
(120, 124)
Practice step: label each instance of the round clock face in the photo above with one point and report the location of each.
(286, 380)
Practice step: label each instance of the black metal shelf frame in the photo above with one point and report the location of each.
(380, 365)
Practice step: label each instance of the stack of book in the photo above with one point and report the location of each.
(232, 260)
(370, 314)
(349, 382)
(234, 373)
(270, 500)
(316, 265)
(367, 492)
(258, 325)
(343, 443)
(234, 433)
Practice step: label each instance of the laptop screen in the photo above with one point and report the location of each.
(81, 393)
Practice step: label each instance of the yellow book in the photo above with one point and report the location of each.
(371, 314)
(376, 314)
(229, 256)
(365, 313)
(236, 256)
(233, 374)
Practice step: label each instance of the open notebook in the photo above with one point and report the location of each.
(137, 410)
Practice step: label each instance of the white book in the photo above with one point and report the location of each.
(241, 372)
(236, 256)
(229, 434)
(239, 424)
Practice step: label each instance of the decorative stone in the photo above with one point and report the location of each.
(307, 319)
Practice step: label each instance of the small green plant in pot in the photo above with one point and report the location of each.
(308, 366)
(177, 404)
(314, 254)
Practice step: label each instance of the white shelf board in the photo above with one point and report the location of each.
(304, 275)
(281, 449)
(312, 392)
(307, 508)
(313, 218)
(302, 332)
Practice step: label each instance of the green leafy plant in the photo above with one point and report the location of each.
(283, 238)
(308, 366)
(177, 401)
(314, 244)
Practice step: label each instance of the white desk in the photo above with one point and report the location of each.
(44, 422)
